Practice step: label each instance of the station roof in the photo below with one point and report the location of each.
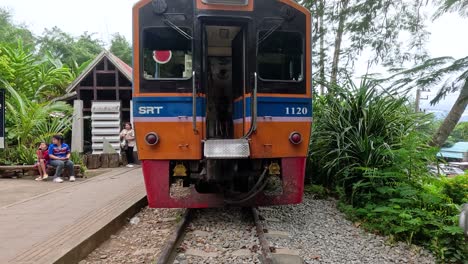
(454, 152)
(123, 67)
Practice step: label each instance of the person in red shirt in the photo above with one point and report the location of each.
(42, 160)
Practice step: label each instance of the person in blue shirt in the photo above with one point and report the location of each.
(59, 154)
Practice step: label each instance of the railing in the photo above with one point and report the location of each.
(194, 103)
(253, 124)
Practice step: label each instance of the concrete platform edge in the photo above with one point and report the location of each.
(80, 251)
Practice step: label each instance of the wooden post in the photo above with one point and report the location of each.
(114, 160)
(77, 127)
(94, 161)
(104, 160)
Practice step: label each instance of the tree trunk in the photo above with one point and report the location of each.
(452, 119)
(322, 44)
(338, 40)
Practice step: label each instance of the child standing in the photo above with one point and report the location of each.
(42, 161)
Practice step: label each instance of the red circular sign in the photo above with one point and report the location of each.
(162, 56)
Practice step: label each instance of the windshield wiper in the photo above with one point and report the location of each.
(176, 28)
(271, 30)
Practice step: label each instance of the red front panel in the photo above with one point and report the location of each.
(156, 175)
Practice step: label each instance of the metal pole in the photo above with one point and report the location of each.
(418, 99)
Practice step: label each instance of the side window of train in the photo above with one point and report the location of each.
(280, 56)
(167, 54)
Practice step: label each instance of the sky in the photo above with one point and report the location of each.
(105, 17)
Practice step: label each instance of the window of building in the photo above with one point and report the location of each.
(171, 49)
(280, 56)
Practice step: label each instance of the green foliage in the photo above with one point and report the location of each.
(32, 114)
(318, 191)
(416, 212)
(371, 148)
(11, 33)
(69, 49)
(121, 48)
(18, 155)
(358, 127)
(77, 159)
(37, 79)
(445, 6)
(28, 122)
(369, 25)
(457, 189)
(446, 73)
(460, 133)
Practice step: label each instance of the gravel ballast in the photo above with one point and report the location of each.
(220, 236)
(322, 235)
(140, 241)
(315, 228)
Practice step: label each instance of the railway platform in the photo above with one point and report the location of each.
(62, 223)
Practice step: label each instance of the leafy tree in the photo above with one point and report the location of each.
(460, 133)
(447, 73)
(11, 33)
(28, 121)
(69, 49)
(121, 48)
(345, 29)
(446, 6)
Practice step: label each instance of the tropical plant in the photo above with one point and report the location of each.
(36, 79)
(28, 122)
(370, 147)
(358, 127)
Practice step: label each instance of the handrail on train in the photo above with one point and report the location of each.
(253, 124)
(194, 103)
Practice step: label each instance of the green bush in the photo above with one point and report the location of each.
(318, 191)
(77, 159)
(457, 189)
(19, 155)
(416, 213)
(371, 148)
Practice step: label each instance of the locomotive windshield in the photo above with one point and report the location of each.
(167, 54)
(280, 56)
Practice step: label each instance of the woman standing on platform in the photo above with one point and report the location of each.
(127, 137)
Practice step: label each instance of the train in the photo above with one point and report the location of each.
(222, 101)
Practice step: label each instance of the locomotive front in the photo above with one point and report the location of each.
(222, 102)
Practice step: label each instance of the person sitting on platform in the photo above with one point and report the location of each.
(42, 161)
(59, 154)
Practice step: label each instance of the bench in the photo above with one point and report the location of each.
(23, 169)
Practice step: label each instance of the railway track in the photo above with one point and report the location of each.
(229, 235)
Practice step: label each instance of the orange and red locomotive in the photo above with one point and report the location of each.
(222, 102)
